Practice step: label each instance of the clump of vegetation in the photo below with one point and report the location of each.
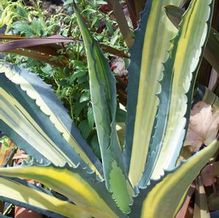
(144, 166)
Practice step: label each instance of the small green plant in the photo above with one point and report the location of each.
(141, 179)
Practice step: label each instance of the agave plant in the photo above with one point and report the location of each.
(138, 179)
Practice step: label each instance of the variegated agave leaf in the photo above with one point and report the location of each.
(33, 117)
(104, 104)
(211, 52)
(32, 197)
(164, 197)
(184, 60)
(145, 73)
(75, 184)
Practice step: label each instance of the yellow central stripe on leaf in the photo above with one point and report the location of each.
(193, 32)
(32, 93)
(154, 54)
(33, 197)
(103, 96)
(158, 201)
(63, 181)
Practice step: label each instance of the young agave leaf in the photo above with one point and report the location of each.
(76, 184)
(22, 195)
(31, 115)
(145, 73)
(159, 127)
(103, 96)
(167, 193)
(184, 60)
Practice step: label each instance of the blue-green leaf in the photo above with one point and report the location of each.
(104, 104)
(164, 197)
(145, 73)
(76, 184)
(24, 195)
(33, 117)
(184, 60)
